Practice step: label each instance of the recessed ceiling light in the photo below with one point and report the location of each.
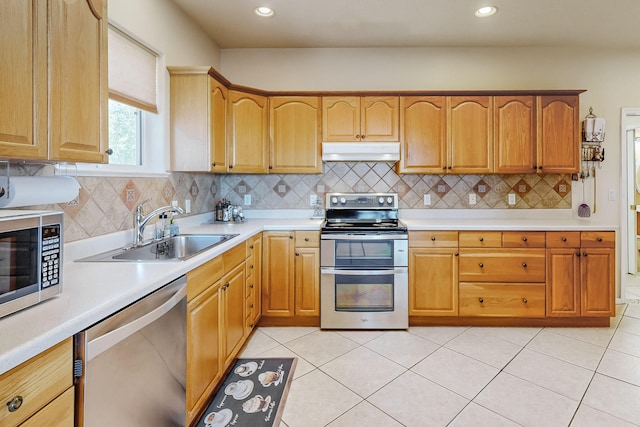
(264, 11)
(483, 12)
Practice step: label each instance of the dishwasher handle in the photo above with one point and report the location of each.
(104, 342)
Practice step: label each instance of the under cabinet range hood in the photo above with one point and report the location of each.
(360, 151)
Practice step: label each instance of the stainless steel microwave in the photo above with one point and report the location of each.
(30, 258)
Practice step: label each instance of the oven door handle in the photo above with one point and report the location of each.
(364, 236)
(400, 270)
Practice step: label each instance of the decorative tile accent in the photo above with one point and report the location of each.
(562, 188)
(522, 188)
(130, 195)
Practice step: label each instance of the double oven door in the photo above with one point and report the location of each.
(364, 281)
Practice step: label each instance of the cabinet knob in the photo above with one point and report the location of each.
(297, 253)
(481, 299)
(270, 167)
(448, 167)
(524, 265)
(230, 166)
(535, 167)
(433, 239)
(251, 266)
(482, 239)
(584, 254)
(363, 136)
(357, 136)
(564, 239)
(109, 152)
(578, 253)
(251, 247)
(251, 286)
(456, 254)
(306, 239)
(599, 239)
(539, 167)
(250, 305)
(15, 403)
(291, 236)
(524, 300)
(524, 239)
(481, 265)
(444, 168)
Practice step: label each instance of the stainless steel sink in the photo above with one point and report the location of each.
(176, 248)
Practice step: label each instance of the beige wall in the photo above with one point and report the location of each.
(609, 77)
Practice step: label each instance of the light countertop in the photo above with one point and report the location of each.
(93, 291)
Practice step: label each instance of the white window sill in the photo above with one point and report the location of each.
(108, 170)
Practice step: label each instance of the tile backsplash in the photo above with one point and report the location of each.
(106, 204)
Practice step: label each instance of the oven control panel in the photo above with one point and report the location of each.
(355, 201)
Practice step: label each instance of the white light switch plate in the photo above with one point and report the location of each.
(472, 198)
(427, 199)
(512, 199)
(247, 199)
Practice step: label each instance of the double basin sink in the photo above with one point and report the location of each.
(177, 248)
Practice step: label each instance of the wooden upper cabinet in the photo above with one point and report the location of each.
(23, 79)
(423, 128)
(247, 133)
(558, 134)
(470, 134)
(78, 80)
(514, 123)
(367, 118)
(295, 134)
(198, 121)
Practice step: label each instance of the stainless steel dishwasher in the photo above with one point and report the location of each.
(135, 363)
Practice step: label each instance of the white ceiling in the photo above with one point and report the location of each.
(418, 23)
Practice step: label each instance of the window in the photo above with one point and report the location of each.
(135, 121)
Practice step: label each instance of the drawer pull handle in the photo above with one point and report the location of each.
(524, 265)
(524, 239)
(433, 239)
(482, 239)
(15, 403)
(564, 239)
(524, 300)
(599, 239)
(481, 299)
(481, 265)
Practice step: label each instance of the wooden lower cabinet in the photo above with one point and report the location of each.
(232, 302)
(44, 383)
(502, 299)
(433, 282)
(581, 275)
(291, 275)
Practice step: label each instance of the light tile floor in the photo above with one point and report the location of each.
(459, 376)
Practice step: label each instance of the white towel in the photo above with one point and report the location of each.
(598, 129)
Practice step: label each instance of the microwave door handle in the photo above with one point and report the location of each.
(400, 270)
(104, 342)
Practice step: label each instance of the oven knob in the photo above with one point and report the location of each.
(343, 200)
(334, 200)
(390, 200)
(381, 200)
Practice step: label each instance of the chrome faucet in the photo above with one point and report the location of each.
(140, 220)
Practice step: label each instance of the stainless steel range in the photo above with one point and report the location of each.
(363, 263)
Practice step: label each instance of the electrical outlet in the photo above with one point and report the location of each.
(612, 194)
(512, 198)
(313, 199)
(427, 199)
(187, 206)
(472, 198)
(247, 199)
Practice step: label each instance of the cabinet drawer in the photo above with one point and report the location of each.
(480, 239)
(502, 300)
(200, 278)
(307, 239)
(597, 239)
(433, 239)
(251, 244)
(234, 256)
(60, 411)
(38, 381)
(523, 239)
(502, 265)
(563, 239)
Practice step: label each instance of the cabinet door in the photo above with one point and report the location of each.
(379, 117)
(78, 80)
(341, 118)
(598, 278)
(278, 274)
(514, 134)
(558, 134)
(23, 79)
(295, 135)
(248, 141)
(307, 282)
(233, 311)
(423, 127)
(189, 104)
(563, 282)
(218, 98)
(433, 282)
(203, 348)
(470, 134)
